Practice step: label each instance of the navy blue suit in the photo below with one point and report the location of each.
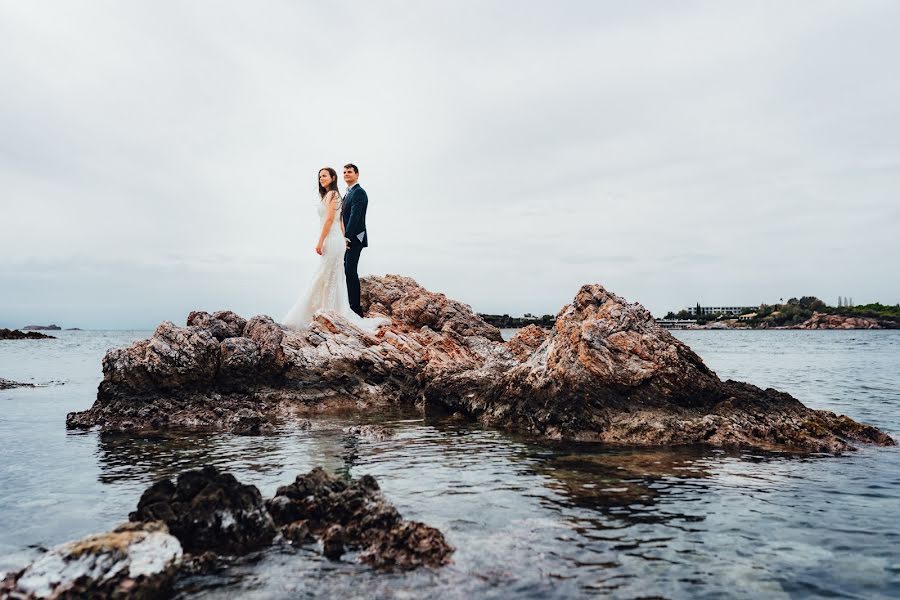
(353, 214)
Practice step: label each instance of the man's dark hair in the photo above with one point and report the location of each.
(352, 166)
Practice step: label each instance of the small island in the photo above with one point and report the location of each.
(53, 327)
(15, 334)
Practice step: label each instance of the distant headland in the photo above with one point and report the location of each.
(807, 312)
(508, 322)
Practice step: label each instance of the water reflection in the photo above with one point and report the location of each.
(569, 512)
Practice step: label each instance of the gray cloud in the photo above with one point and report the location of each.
(156, 156)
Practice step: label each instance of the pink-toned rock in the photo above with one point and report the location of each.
(605, 372)
(526, 341)
(404, 300)
(823, 321)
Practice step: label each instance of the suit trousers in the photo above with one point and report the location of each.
(351, 264)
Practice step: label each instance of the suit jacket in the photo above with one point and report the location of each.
(353, 213)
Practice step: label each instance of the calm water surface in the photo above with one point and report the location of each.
(528, 518)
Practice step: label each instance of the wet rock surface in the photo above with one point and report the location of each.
(135, 560)
(15, 334)
(605, 372)
(195, 524)
(355, 516)
(208, 510)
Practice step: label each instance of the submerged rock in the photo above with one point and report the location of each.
(372, 432)
(135, 560)
(605, 372)
(208, 510)
(354, 515)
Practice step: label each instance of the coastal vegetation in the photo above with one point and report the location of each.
(876, 310)
(797, 311)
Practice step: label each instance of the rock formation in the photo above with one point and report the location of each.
(605, 372)
(355, 516)
(15, 334)
(823, 321)
(185, 527)
(136, 560)
(6, 384)
(208, 510)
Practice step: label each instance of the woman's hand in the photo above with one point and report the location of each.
(319, 248)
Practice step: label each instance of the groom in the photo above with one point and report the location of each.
(353, 213)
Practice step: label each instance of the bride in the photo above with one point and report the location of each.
(328, 289)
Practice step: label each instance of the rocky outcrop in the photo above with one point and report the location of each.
(186, 527)
(208, 511)
(355, 516)
(605, 372)
(526, 341)
(15, 334)
(42, 327)
(824, 321)
(6, 384)
(405, 301)
(136, 560)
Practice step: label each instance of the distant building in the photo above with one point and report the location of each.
(718, 310)
(677, 323)
(747, 317)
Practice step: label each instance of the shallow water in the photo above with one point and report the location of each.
(528, 518)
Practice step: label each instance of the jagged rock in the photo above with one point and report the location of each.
(221, 325)
(526, 341)
(823, 321)
(404, 300)
(207, 513)
(15, 334)
(208, 510)
(172, 359)
(407, 546)
(355, 516)
(605, 372)
(135, 560)
(6, 384)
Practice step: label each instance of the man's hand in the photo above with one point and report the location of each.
(347, 243)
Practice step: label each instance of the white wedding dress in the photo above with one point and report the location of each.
(328, 289)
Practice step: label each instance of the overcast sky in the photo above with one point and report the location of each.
(158, 157)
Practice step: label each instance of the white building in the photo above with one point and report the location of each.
(719, 310)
